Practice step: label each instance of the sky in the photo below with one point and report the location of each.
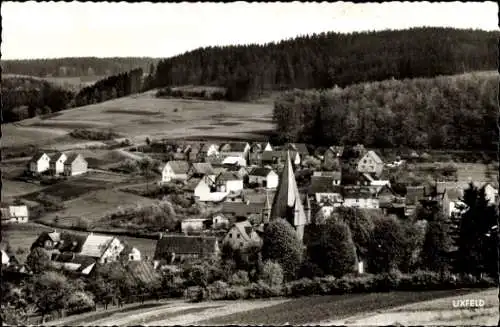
(80, 29)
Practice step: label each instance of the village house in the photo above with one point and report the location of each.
(220, 221)
(331, 157)
(194, 153)
(335, 176)
(436, 195)
(264, 177)
(326, 191)
(171, 249)
(301, 148)
(491, 193)
(15, 214)
(456, 205)
(287, 201)
(201, 169)
(209, 150)
(39, 163)
(359, 197)
(193, 224)
(349, 161)
(371, 163)
(205, 191)
(238, 209)
(75, 164)
(279, 157)
(229, 182)
(134, 255)
(255, 153)
(175, 170)
(241, 236)
(240, 170)
(57, 163)
(235, 153)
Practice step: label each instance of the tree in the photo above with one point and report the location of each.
(476, 246)
(437, 243)
(334, 252)
(388, 246)
(51, 291)
(281, 244)
(38, 260)
(147, 167)
(272, 274)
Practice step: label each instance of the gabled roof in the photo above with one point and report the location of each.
(96, 245)
(299, 147)
(56, 156)
(191, 184)
(260, 171)
(245, 229)
(355, 192)
(414, 194)
(323, 184)
(204, 168)
(72, 157)
(37, 156)
(234, 147)
(242, 209)
(287, 202)
(179, 166)
(181, 244)
(228, 176)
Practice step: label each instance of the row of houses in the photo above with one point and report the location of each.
(59, 163)
(15, 214)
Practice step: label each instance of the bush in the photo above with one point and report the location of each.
(79, 302)
(240, 278)
(272, 274)
(94, 135)
(218, 290)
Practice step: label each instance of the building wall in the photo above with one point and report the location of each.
(112, 252)
(272, 180)
(169, 175)
(201, 190)
(229, 186)
(79, 166)
(368, 165)
(369, 203)
(321, 197)
(237, 241)
(43, 164)
(187, 225)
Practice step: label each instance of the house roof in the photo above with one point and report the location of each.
(56, 156)
(191, 184)
(234, 147)
(355, 192)
(204, 168)
(37, 156)
(322, 184)
(182, 244)
(228, 176)
(270, 155)
(179, 166)
(299, 147)
(287, 197)
(96, 245)
(338, 150)
(72, 157)
(375, 156)
(414, 194)
(245, 229)
(242, 209)
(260, 171)
(206, 146)
(257, 197)
(454, 194)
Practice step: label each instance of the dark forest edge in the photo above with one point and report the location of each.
(442, 110)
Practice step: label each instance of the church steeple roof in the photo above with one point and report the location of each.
(287, 203)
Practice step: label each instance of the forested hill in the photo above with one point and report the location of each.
(328, 59)
(446, 112)
(76, 67)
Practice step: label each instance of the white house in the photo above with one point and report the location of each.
(192, 224)
(241, 236)
(220, 221)
(491, 193)
(229, 182)
(75, 164)
(134, 255)
(175, 170)
(263, 176)
(15, 214)
(102, 247)
(57, 163)
(5, 258)
(359, 197)
(370, 163)
(39, 163)
(235, 160)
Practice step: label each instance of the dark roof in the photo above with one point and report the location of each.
(228, 176)
(357, 192)
(55, 156)
(269, 155)
(234, 146)
(260, 171)
(414, 194)
(204, 168)
(299, 147)
(70, 242)
(71, 158)
(242, 209)
(332, 174)
(179, 166)
(181, 244)
(37, 156)
(323, 184)
(191, 184)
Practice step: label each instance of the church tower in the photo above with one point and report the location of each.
(287, 203)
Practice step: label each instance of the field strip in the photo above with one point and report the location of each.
(125, 317)
(227, 309)
(432, 312)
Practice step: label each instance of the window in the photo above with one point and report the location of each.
(231, 235)
(238, 236)
(241, 244)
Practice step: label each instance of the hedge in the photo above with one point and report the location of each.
(418, 281)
